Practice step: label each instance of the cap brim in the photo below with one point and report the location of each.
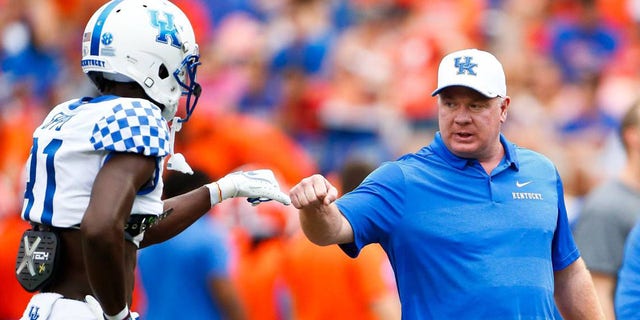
(486, 94)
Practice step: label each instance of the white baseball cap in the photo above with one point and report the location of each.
(472, 68)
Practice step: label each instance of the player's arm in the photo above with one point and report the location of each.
(257, 186)
(102, 226)
(575, 294)
(185, 210)
(320, 218)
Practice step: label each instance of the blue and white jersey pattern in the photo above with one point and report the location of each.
(75, 141)
(136, 129)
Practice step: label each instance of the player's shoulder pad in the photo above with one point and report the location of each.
(132, 125)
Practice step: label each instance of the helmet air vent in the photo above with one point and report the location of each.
(163, 73)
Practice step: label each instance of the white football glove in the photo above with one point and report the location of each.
(258, 186)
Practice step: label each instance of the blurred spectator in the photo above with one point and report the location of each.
(584, 126)
(425, 31)
(258, 275)
(414, 57)
(13, 297)
(533, 117)
(188, 276)
(589, 121)
(516, 28)
(304, 37)
(610, 211)
(219, 10)
(23, 64)
(356, 116)
(301, 40)
(199, 16)
(34, 59)
(219, 145)
(326, 284)
(259, 234)
(584, 46)
(229, 63)
(566, 122)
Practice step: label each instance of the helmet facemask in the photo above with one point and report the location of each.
(185, 75)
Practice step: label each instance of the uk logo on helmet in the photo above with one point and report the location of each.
(166, 28)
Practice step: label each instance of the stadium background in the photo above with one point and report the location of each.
(304, 86)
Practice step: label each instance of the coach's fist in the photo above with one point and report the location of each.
(315, 190)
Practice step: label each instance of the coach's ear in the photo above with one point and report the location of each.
(504, 108)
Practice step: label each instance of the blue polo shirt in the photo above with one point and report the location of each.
(465, 244)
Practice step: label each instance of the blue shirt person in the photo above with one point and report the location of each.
(474, 226)
(627, 299)
(189, 275)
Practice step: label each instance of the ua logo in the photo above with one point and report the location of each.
(34, 313)
(466, 66)
(167, 30)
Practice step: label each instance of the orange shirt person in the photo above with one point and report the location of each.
(326, 284)
(12, 297)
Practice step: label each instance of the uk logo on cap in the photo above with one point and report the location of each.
(466, 66)
(472, 68)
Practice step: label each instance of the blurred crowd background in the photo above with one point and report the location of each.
(306, 86)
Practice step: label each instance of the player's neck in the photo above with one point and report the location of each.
(128, 90)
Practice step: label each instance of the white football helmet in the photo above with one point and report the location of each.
(150, 42)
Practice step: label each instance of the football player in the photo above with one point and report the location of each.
(94, 174)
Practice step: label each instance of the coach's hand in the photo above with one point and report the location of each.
(315, 190)
(320, 219)
(257, 186)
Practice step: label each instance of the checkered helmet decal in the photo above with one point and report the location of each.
(132, 127)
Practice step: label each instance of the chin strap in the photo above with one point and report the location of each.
(177, 161)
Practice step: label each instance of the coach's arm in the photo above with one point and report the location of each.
(575, 294)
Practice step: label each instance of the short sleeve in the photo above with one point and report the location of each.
(374, 207)
(564, 249)
(132, 126)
